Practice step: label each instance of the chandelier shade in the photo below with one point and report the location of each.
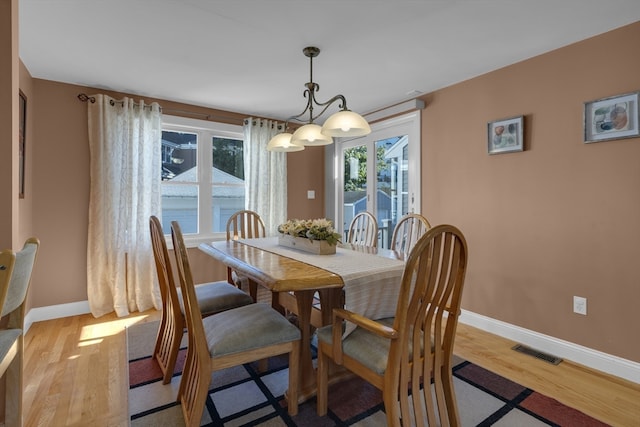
(344, 123)
(282, 142)
(311, 134)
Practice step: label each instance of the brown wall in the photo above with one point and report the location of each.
(61, 191)
(557, 220)
(9, 69)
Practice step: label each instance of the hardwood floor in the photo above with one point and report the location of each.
(75, 374)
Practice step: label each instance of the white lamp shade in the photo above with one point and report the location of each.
(310, 135)
(346, 123)
(282, 143)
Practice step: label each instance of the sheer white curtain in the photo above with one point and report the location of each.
(265, 174)
(125, 142)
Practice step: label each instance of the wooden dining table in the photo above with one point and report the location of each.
(285, 276)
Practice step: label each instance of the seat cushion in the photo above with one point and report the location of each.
(370, 349)
(247, 328)
(215, 297)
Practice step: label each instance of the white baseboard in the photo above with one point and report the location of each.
(593, 359)
(39, 314)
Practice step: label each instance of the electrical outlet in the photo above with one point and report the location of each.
(580, 305)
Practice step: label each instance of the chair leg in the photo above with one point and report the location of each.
(322, 383)
(13, 389)
(450, 398)
(193, 395)
(294, 378)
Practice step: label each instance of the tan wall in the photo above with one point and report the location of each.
(557, 220)
(61, 193)
(305, 171)
(9, 68)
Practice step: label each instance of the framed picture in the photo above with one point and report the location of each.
(505, 136)
(610, 118)
(21, 141)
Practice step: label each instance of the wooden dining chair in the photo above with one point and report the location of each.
(391, 353)
(363, 230)
(15, 278)
(407, 232)
(212, 298)
(241, 335)
(244, 224)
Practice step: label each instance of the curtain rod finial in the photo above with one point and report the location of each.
(84, 98)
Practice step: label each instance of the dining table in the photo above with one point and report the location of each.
(363, 279)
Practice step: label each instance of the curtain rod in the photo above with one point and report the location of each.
(210, 117)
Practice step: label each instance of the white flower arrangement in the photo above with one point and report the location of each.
(312, 229)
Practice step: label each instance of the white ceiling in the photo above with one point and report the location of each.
(246, 55)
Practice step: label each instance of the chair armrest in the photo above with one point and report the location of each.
(340, 314)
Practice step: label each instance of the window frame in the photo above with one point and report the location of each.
(205, 130)
(404, 124)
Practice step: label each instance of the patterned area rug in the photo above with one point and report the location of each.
(243, 397)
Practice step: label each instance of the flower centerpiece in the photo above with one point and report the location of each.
(311, 235)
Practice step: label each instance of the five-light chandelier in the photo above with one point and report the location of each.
(344, 123)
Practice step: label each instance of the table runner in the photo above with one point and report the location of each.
(371, 282)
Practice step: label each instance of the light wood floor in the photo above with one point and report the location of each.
(75, 374)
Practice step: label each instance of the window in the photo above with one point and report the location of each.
(202, 175)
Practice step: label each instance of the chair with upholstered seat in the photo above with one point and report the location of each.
(407, 232)
(363, 230)
(231, 338)
(15, 277)
(244, 224)
(213, 298)
(390, 353)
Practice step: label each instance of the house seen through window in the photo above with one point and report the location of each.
(202, 174)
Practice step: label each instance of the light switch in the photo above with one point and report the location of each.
(311, 194)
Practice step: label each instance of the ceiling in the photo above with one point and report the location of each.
(246, 56)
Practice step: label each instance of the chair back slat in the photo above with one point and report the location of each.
(245, 224)
(197, 363)
(407, 232)
(363, 230)
(427, 316)
(172, 320)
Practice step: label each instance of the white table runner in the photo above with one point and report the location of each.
(371, 282)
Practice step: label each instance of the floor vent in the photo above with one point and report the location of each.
(537, 354)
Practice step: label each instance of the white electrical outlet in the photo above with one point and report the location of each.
(580, 305)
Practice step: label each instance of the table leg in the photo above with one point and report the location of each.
(304, 299)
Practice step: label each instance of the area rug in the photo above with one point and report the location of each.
(243, 397)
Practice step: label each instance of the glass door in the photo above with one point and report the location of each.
(379, 173)
(355, 197)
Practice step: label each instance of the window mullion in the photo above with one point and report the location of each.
(204, 183)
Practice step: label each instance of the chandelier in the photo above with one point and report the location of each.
(344, 123)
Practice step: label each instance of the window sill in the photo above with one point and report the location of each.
(194, 240)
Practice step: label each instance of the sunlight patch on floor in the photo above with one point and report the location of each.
(106, 329)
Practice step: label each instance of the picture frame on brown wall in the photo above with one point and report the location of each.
(505, 135)
(615, 117)
(22, 142)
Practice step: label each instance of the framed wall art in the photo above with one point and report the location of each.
(505, 136)
(22, 141)
(610, 118)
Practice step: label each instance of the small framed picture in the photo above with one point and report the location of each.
(505, 136)
(610, 118)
